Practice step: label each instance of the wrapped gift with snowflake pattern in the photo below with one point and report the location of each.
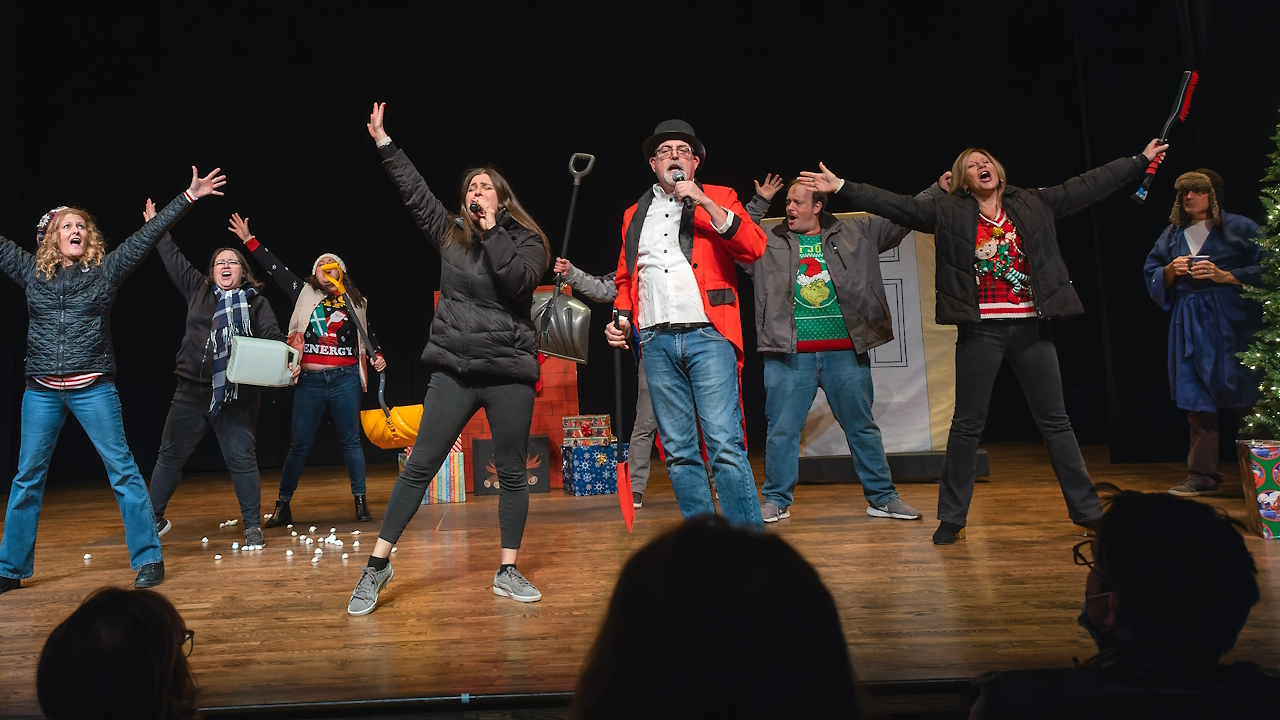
(591, 470)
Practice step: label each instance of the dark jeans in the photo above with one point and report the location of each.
(450, 402)
(188, 421)
(339, 390)
(979, 351)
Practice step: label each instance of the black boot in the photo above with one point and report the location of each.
(362, 510)
(947, 533)
(282, 515)
(151, 575)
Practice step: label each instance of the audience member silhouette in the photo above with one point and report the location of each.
(687, 633)
(1170, 585)
(121, 654)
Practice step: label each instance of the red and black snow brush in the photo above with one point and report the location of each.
(1181, 106)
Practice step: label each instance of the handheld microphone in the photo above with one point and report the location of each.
(679, 176)
(475, 207)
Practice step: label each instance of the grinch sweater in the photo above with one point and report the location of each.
(819, 323)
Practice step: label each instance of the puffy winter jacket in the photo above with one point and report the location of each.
(70, 326)
(483, 322)
(195, 356)
(953, 220)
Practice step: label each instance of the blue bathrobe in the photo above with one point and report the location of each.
(1211, 321)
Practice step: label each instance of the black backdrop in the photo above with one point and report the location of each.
(105, 107)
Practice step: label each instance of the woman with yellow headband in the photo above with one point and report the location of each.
(333, 375)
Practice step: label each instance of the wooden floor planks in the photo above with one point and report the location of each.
(271, 629)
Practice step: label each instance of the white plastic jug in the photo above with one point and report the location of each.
(255, 361)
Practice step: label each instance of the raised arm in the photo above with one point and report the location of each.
(759, 205)
(120, 262)
(279, 272)
(16, 262)
(904, 210)
(887, 233)
(1084, 190)
(427, 210)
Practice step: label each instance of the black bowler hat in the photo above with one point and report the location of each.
(673, 130)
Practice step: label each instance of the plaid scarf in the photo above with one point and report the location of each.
(230, 319)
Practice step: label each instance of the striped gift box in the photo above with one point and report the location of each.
(450, 483)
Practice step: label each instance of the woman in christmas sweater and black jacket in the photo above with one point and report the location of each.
(1000, 277)
(482, 349)
(226, 302)
(333, 373)
(71, 283)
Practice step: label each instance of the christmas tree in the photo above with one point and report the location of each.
(1264, 354)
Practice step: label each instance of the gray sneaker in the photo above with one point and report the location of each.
(163, 526)
(1191, 488)
(510, 583)
(365, 597)
(637, 499)
(253, 539)
(773, 513)
(897, 509)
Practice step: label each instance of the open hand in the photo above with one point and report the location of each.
(148, 211)
(822, 181)
(376, 130)
(378, 362)
(772, 184)
(207, 185)
(563, 266)
(1154, 150)
(240, 226)
(617, 332)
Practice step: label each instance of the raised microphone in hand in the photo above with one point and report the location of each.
(679, 176)
(475, 207)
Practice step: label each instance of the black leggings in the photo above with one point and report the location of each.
(450, 402)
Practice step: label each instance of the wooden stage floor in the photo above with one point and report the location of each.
(271, 629)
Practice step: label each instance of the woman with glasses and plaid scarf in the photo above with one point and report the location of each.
(224, 303)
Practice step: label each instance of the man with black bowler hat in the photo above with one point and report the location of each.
(677, 283)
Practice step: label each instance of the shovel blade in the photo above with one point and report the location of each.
(624, 494)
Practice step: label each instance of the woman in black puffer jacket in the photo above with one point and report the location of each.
(71, 283)
(1000, 278)
(482, 348)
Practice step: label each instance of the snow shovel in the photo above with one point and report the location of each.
(624, 469)
(388, 428)
(563, 322)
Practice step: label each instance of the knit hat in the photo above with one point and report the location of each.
(42, 227)
(315, 268)
(1200, 183)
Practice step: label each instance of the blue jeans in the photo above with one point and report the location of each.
(791, 382)
(43, 414)
(339, 390)
(693, 383)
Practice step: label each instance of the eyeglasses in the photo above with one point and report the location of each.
(227, 263)
(1082, 552)
(683, 151)
(188, 642)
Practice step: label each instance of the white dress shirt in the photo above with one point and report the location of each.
(668, 290)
